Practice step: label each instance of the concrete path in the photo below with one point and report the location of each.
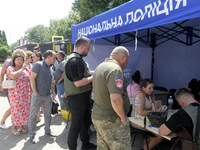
(10, 141)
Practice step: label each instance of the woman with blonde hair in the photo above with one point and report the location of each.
(19, 96)
(29, 59)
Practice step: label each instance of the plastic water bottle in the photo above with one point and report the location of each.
(170, 103)
(137, 107)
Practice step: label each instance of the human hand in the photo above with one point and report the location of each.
(123, 119)
(24, 67)
(3, 90)
(35, 93)
(59, 81)
(164, 108)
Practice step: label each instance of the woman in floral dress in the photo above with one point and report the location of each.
(19, 96)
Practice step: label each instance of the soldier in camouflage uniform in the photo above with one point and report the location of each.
(111, 102)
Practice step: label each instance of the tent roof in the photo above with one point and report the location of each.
(137, 15)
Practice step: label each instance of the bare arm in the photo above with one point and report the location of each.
(32, 81)
(118, 105)
(3, 72)
(61, 78)
(164, 130)
(83, 82)
(14, 75)
(142, 109)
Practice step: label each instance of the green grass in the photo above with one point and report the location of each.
(1, 63)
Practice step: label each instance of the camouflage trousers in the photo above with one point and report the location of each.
(113, 135)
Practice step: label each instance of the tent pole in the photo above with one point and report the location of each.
(153, 45)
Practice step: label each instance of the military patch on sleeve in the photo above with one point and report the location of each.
(119, 83)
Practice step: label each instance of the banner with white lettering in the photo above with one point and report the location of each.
(136, 15)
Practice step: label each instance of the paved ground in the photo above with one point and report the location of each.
(9, 141)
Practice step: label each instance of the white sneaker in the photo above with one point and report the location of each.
(4, 126)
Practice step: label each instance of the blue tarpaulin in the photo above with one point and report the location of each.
(136, 15)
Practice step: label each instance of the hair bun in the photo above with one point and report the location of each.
(136, 76)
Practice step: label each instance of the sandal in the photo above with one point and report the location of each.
(38, 119)
(23, 130)
(16, 133)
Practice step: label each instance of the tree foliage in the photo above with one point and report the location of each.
(36, 34)
(4, 51)
(4, 48)
(81, 10)
(61, 27)
(14, 45)
(90, 8)
(3, 39)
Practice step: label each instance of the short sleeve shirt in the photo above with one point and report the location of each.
(7, 63)
(108, 78)
(75, 69)
(178, 120)
(43, 79)
(59, 71)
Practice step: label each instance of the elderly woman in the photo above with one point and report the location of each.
(147, 105)
(19, 96)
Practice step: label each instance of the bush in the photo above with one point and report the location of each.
(5, 52)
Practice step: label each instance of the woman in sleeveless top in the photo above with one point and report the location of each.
(133, 88)
(147, 105)
(146, 96)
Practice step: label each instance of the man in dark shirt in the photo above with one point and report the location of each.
(77, 82)
(184, 117)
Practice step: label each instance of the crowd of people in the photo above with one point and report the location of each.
(113, 99)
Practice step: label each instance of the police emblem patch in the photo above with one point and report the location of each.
(119, 83)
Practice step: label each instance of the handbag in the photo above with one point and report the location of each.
(156, 119)
(54, 109)
(8, 84)
(185, 141)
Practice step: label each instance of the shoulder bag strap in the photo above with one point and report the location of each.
(197, 124)
(130, 91)
(145, 122)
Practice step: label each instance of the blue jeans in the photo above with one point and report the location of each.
(60, 91)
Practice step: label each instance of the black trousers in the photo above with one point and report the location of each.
(79, 124)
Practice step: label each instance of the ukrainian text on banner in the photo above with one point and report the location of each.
(136, 15)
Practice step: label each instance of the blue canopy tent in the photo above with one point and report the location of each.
(159, 22)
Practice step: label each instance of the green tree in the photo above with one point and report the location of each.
(4, 48)
(64, 26)
(90, 8)
(82, 10)
(36, 34)
(4, 51)
(14, 45)
(4, 39)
